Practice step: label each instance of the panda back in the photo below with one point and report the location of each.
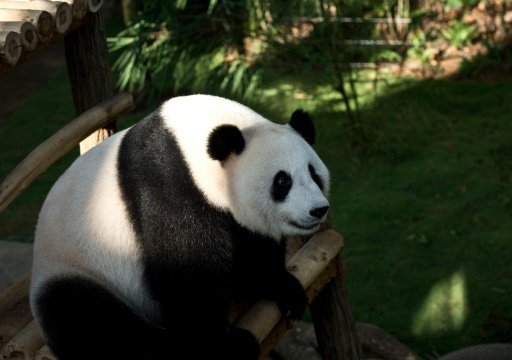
(83, 229)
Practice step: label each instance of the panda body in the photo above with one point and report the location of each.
(157, 228)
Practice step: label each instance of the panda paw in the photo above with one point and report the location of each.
(241, 344)
(292, 297)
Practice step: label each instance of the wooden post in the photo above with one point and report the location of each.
(89, 71)
(334, 326)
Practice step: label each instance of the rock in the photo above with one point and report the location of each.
(377, 343)
(299, 343)
(481, 352)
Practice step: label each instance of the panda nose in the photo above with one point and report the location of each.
(319, 212)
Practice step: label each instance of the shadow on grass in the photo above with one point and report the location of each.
(426, 211)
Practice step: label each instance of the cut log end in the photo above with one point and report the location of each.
(10, 47)
(95, 5)
(63, 17)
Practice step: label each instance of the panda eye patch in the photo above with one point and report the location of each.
(315, 177)
(281, 186)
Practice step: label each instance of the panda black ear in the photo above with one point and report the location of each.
(224, 140)
(302, 123)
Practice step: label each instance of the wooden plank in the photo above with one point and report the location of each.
(59, 144)
(89, 71)
(334, 325)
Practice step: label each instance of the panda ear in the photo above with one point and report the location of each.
(224, 140)
(302, 123)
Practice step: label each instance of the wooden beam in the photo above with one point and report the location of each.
(59, 144)
(89, 71)
(306, 265)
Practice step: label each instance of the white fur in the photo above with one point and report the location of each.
(83, 229)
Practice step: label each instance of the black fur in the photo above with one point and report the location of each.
(82, 320)
(224, 140)
(281, 186)
(196, 257)
(302, 123)
(315, 177)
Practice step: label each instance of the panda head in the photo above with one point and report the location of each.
(276, 182)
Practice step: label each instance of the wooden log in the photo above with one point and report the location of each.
(60, 11)
(79, 8)
(91, 80)
(334, 326)
(14, 309)
(24, 345)
(95, 5)
(10, 47)
(42, 20)
(306, 265)
(59, 144)
(45, 354)
(27, 31)
(284, 324)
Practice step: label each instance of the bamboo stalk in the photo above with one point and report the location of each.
(60, 11)
(306, 266)
(10, 47)
(26, 30)
(45, 354)
(42, 20)
(59, 144)
(24, 345)
(95, 5)
(79, 8)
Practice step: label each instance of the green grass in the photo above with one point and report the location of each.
(425, 205)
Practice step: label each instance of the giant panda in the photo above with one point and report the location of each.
(144, 241)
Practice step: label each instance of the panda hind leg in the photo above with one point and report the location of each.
(82, 320)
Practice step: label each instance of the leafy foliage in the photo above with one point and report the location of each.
(182, 47)
(459, 34)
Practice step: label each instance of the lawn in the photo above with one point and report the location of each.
(424, 204)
